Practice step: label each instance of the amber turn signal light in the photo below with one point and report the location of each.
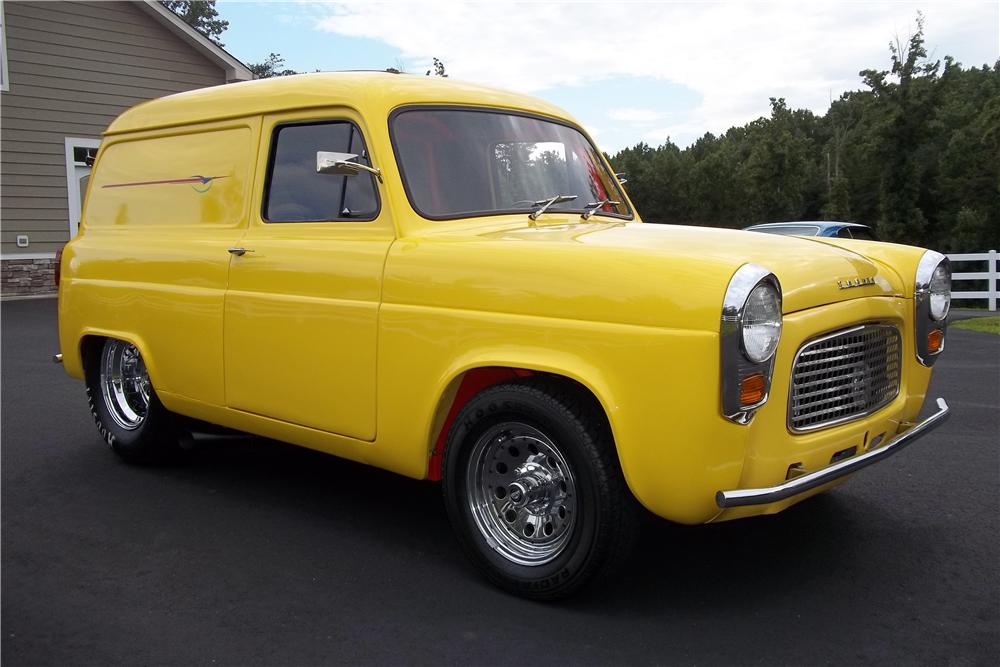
(935, 340)
(752, 389)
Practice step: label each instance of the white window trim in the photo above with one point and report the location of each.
(26, 255)
(4, 74)
(72, 189)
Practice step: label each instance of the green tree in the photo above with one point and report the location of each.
(968, 158)
(971, 227)
(907, 107)
(437, 69)
(780, 167)
(838, 204)
(200, 15)
(273, 65)
(855, 163)
(916, 152)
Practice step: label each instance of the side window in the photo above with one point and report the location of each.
(844, 233)
(296, 193)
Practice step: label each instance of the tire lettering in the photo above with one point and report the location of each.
(548, 582)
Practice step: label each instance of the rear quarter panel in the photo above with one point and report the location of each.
(150, 264)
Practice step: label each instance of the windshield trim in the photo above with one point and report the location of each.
(495, 212)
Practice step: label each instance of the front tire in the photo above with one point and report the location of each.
(128, 414)
(534, 490)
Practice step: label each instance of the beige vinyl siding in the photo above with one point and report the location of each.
(73, 67)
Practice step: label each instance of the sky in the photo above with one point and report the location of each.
(629, 72)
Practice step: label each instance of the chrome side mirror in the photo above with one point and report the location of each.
(343, 164)
(622, 177)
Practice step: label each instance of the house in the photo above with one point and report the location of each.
(68, 69)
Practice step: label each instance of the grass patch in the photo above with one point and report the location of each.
(984, 324)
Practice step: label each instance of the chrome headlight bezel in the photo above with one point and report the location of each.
(736, 361)
(932, 281)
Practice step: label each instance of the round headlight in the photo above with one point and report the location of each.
(761, 323)
(940, 292)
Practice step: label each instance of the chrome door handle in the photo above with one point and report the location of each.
(239, 252)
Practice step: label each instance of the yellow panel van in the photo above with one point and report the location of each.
(449, 282)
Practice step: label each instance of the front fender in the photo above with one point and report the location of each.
(658, 387)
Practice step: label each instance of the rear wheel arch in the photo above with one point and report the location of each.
(123, 402)
(90, 349)
(92, 342)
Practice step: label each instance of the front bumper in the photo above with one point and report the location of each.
(764, 496)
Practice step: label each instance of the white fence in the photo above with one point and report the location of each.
(991, 294)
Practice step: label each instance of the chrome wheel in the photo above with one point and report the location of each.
(124, 384)
(522, 493)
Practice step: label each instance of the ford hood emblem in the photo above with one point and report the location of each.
(848, 283)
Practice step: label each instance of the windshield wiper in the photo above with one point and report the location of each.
(544, 204)
(597, 206)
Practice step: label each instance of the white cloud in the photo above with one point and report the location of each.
(635, 116)
(733, 55)
(661, 134)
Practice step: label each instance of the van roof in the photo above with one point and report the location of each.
(369, 92)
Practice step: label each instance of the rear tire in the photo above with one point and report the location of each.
(128, 414)
(534, 490)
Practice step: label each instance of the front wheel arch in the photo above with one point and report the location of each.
(467, 384)
(577, 432)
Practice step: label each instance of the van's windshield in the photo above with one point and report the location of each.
(465, 162)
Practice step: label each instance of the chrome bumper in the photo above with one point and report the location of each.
(742, 497)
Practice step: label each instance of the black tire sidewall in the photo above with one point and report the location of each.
(155, 439)
(514, 405)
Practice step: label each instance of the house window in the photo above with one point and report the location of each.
(84, 156)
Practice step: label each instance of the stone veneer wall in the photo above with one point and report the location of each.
(27, 276)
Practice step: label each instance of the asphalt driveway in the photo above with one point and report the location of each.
(262, 553)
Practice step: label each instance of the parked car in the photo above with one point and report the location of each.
(843, 230)
(447, 281)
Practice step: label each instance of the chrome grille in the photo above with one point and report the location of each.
(844, 376)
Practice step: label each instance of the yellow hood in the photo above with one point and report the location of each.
(615, 272)
(811, 273)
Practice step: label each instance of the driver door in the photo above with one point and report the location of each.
(301, 312)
